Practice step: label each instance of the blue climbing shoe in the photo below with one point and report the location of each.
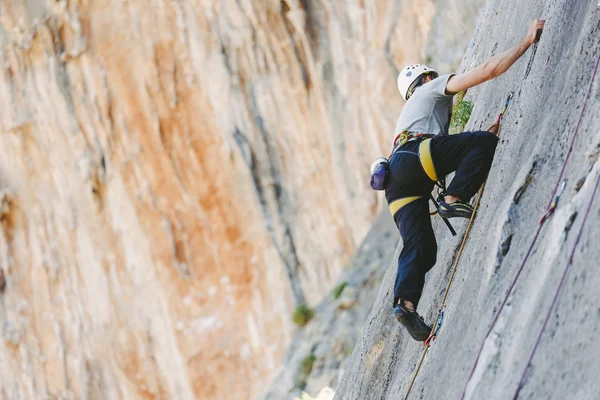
(458, 209)
(413, 322)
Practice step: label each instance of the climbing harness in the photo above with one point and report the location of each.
(539, 229)
(399, 203)
(405, 137)
(426, 160)
(380, 167)
(440, 316)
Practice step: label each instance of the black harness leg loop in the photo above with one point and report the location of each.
(448, 224)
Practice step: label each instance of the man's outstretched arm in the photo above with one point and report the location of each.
(496, 65)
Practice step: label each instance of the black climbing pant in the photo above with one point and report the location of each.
(470, 154)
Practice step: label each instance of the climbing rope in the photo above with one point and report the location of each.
(439, 318)
(562, 281)
(550, 208)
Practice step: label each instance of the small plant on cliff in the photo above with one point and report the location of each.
(306, 367)
(307, 363)
(339, 289)
(350, 350)
(302, 315)
(461, 112)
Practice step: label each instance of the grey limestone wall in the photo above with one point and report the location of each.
(548, 112)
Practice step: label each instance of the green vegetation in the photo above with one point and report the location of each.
(307, 363)
(339, 289)
(306, 367)
(461, 112)
(350, 350)
(302, 315)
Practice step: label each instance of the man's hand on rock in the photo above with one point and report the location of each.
(537, 24)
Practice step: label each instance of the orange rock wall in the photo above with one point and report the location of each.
(176, 176)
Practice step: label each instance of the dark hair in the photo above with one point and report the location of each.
(420, 81)
(424, 75)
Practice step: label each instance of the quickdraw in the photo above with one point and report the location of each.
(501, 115)
(554, 203)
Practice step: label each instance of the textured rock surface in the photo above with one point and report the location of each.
(167, 163)
(452, 23)
(333, 333)
(550, 92)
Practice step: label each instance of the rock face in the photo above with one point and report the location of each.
(452, 23)
(176, 176)
(556, 102)
(330, 338)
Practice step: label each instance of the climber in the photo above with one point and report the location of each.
(423, 153)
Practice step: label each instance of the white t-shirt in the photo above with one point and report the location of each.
(428, 110)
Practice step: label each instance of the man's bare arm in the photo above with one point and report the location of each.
(496, 65)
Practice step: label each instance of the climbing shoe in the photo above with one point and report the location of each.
(457, 209)
(413, 322)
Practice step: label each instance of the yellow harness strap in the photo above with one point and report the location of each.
(398, 204)
(427, 163)
(426, 160)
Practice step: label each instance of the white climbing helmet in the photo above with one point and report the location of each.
(409, 76)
